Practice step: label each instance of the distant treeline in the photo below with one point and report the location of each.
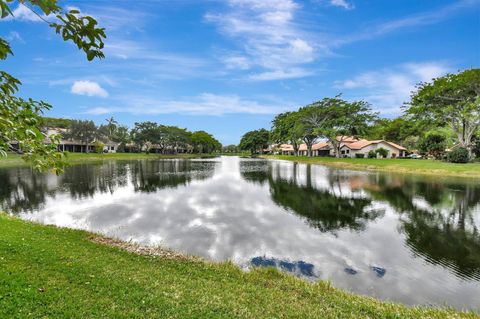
(143, 137)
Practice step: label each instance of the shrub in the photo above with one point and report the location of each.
(458, 155)
(383, 152)
(359, 155)
(372, 154)
(98, 147)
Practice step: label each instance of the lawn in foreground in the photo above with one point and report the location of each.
(429, 167)
(60, 273)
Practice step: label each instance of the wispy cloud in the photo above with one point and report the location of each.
(420, 19)
(343, 4)
(206, 103)
(88, 88)
(388, 89)
(268, 36)
(291, 73)
(14, 36)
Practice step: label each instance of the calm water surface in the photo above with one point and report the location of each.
(403, 238)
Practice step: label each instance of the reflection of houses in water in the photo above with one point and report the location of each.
(439, 217)
(299, 268)
(22, 190)
(320, 195)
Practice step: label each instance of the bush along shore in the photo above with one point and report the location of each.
(411, 166)
(63, 273)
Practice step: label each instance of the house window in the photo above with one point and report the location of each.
(348, 151)
(343, 152)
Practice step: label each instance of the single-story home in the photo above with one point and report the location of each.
(350, 146)
(68, 145)
(363, 147)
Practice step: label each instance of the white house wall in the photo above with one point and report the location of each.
(372, 147)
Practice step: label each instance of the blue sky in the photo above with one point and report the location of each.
(228, 66)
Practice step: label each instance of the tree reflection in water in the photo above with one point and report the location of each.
(23, 190)
(85, 180)
(151, 176)
(437, 217)
(328, 210)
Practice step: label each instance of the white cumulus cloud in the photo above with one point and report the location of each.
(269, 37)
(388, 89)
(88, 88)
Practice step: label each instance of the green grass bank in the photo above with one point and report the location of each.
(414, 166)
(49, 272)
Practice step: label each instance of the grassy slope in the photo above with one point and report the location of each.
(16, 160)
(59, 273)
(429, 167)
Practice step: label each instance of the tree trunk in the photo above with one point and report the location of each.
(336, 147)
(309, 150)
(295, 149)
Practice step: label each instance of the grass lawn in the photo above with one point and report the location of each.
(48, 272)
(415, 166)
(75, 158)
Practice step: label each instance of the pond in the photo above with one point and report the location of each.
(404, 238)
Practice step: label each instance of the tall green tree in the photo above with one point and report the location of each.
(204, 142)
(121, 135)
(83, 131)
(144, 134)
(307, 126)
(452, 100)
(19, 118)
(397, 130)
(338, 119)
(176, 138)
(110, 128)
(286, 130)
(255, 141)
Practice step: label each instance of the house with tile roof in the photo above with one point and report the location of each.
(350, 147)
(363, 147)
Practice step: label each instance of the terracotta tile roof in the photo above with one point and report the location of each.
(321, 145)
(348, 139)
(364, 143)
(400, 147)
(286, 147)
(360, 144)
(350, 142)
(315, 147)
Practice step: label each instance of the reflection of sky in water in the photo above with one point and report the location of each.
(223, 209)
